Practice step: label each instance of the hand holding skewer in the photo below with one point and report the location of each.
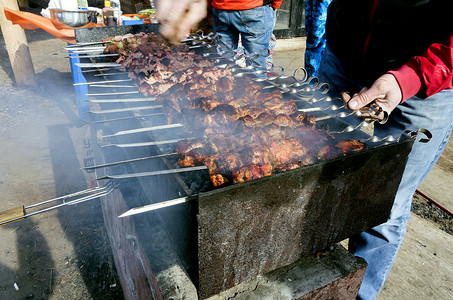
(385, 94)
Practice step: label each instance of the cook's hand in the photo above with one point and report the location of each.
(384, 92)
(177, 17)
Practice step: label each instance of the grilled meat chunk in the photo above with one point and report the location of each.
(251, 172)
(243, 132)
(350, 146)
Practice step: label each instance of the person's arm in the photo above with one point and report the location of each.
(423, 75)
(177, 17)
(427, 74)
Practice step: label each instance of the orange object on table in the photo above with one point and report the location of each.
(28, 20)
(146, 19)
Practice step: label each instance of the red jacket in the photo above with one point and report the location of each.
(428, 73)
(242, 4)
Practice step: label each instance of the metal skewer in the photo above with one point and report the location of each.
(110, 74)
(113, 86)
(20, 212)
(103, 82)
(375, 139)
(154, 173)
(81, 51)
(340, 115)
(125, 118)
(370, 113)
(98, 65)
(145, 129)
(313, 109)
(155, 206)
(94, 48)
(199, 35)
(121, 100)
(193, 37)
(109, 111)
(351, 128)
(128, 161)
(143, 144)
(90, 56)
(102, 69)
(86, 44)
(113, 93)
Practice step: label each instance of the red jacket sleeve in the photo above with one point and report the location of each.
(429, 73)
(276, 4)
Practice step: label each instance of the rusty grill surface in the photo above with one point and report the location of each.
(232, 234)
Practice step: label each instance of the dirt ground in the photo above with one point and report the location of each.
(65, 253)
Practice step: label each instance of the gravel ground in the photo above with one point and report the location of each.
(62, 254)
(429, 211)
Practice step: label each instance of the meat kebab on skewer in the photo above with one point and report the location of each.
(260, 151)
(242, 132)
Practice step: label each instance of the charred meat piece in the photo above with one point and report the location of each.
(285, 121)
(251, 172)
(287, 167)
(225, 84)
(282, 107)
(246, 87)
(287, 151)
(271, 133)
(262, 120)
(206, 103)
(221, 116)
(218, 179)
(256, 155)
(351, 146)
(194, 157)
(321, 144)
(222, 143)
(328, 151)
(220, 167)
(304, 119)
(250, 110)
(195, 152)
(186, 146)
(226, 163)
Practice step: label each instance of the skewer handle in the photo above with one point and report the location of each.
(12, 214)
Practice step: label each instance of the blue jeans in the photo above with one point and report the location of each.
(315, 28)
(254, 25)
(379, 245)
